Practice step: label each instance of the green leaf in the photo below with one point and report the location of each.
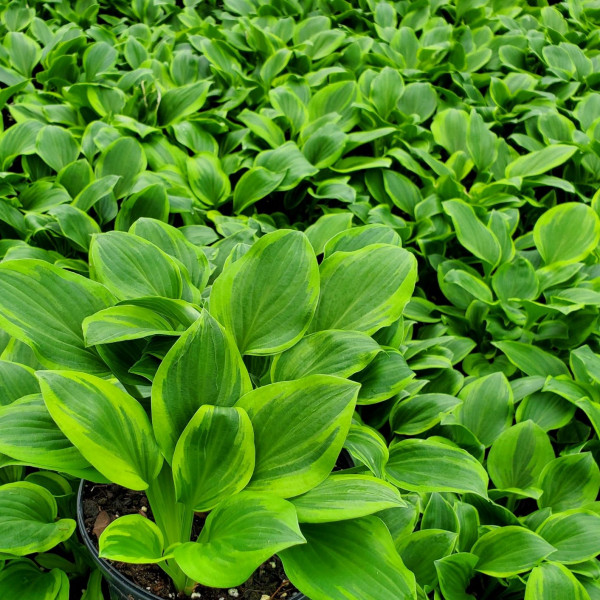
(569, 481)
(56, 147)
(18, 140)
(386, 89)
(486, 408)
(180, 102)
(286, 102)
(330, 352)
(263, 127)
(16, 381)
(150, 202)
(431, 466)
(124, 158)
(316, 412)
(402, 191)
(533, 361)
(585, 364)
(132, 539)
(326, 227)
(254, 185)
(174, 243)
(449, 129)
(76, 176)
(95, 192)
(586, 110)
(179, 313)
(471, 284)
(367, 446)
(120, 323)
(208, 181)
(237, 537)
(275, 64)
(540, 161)
(195, 137)
(421, 412)
(93, 590)
(28, 520)
(577, 396)
(75, 225)
(267, 298)
(98, 58)
(545, 409)
(337, 188)
(388, 275)
(567, 233)
(33, 582)
(333, 98)
(342, 497)
(481, 142)
(454, 574)
(28, 434)
(552, 581)
(106, 100)
(439, 514)
(421, 549)
(362, 562)
(131, 267)
(508, 551)
(108, 426)
(472, 233)
(352, 164)
(44, 307)
(214, 457)
(575, 534)
(23, 52)
(518, 456)
(325, 146)
(385, 376)
(516, 280)
(419, 98)
(202, 367)
(555, 128)
(360, 237)
(289, 160)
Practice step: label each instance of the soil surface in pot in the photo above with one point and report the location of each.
(102, 504)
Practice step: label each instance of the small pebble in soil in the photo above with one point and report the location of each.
(196, 595)
(144, 509)
(233, 592)
(272, 564)
(265, 597)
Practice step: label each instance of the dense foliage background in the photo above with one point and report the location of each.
(467, 132)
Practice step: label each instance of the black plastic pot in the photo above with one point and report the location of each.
(119, 586)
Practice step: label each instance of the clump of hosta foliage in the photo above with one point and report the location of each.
(466, 132)
(232, 439)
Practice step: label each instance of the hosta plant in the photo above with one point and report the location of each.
(39, 556)
(234, 400)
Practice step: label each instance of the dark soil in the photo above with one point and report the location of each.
(102, 504)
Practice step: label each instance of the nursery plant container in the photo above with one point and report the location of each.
(119, 586)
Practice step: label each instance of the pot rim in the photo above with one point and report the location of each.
(110, 572)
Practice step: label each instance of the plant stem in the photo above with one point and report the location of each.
(173, 519)
(511, 503)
